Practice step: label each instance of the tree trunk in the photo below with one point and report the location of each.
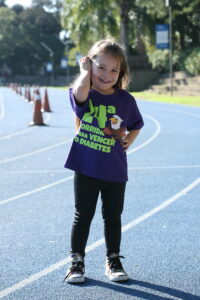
(139, 31)
(124, 24)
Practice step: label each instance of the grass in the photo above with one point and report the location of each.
(187, 100)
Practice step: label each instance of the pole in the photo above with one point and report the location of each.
(65, 43)
(51, 53)
(52, 71)
(170, 50)
(68, 75)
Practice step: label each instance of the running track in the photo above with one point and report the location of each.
(161, 240)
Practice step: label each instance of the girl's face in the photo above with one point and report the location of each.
(105, 73)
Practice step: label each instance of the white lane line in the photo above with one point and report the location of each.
(56, 145)
(158, 129)
(182, 112)
(60, 181)
(35, 190)
(176, 110)
(34, 152)
(16, 133)
(22, 131)
(2, 110)
(164, 167)
(98, 243)
(166, 203)
(35, 172)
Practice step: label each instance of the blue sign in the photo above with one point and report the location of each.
(49, 67)
(64, 62)
(162, 36)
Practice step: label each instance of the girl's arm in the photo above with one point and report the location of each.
(130, 138)
(82, 84)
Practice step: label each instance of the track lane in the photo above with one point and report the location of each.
(52, 285)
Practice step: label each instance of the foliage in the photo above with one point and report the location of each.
(159, 59)
(53, 6)
(56, 4)
(192, 62)
(8, 32)
(21, 34)
(186, 21)
(133, 21)
(188, 60)
(89, 20)
(17, 8)
(155, 8)
(2, 3)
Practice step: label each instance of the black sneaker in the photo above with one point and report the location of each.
(76, 270)
(114, 268)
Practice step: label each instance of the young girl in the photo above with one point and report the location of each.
(109, 123)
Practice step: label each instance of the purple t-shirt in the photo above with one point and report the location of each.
(97, 149)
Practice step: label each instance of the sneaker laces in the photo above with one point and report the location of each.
(76, 267)
(115, 263)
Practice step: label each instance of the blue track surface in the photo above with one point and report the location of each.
(161, 219)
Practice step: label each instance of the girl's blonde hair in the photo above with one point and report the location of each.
(115, 49)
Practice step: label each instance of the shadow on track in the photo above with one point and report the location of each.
(131, 288)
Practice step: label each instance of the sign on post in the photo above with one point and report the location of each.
(49, 67)
(64, 63)
(162, 36)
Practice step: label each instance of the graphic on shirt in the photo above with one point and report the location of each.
(100, 113)
(96, 152)
(104, 137)
(115, 130)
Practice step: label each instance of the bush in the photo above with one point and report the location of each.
(159, 59)
(187, 60)
(192, 62)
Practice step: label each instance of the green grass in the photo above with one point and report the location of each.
(187, 100)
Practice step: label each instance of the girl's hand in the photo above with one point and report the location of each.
(85, 64)
(126, 143)
(83, 82)
(129, 138)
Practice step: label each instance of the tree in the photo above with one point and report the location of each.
(8, 32)
(186, 22)
(38, 26)
(56, 4)
(93, 20)
(86, 21)
(2, 3)
(21, 35)
(53, 6)
(124, 6)
(90, 20)
(17, 8)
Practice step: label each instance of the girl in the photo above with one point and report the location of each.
(110, 122)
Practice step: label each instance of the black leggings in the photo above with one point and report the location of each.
(86, 191)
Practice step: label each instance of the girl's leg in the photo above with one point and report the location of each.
(112, 207)
(86, 193)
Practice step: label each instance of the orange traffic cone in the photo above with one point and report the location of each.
(37, 115)
(45, 104)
